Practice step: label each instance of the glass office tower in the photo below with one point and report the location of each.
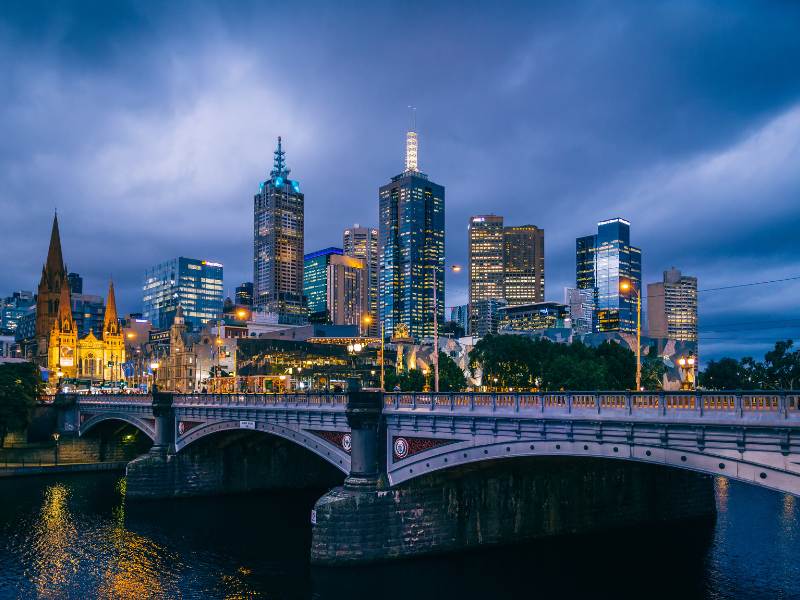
(411, 241)
(603, 261)
(195, 285)
(278, 232)
(315, 282)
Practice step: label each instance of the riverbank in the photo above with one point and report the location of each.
(22, 470)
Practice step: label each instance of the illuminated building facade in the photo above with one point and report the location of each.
(194, 284)
(603, 261)
(533, 316)
(411, 247)
(362, 243)
(523, 264)
(505, 262)
(672, 307)
(581, 309)
(278, 230)
(485, 264)
(244, 294)
(12, 309)
(486, 316)
(335, 287)
(315, 282)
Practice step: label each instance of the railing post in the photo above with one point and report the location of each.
(782, 409)
(452, 401)
(737, 402)
(364, 416)
(472, 402)
(516, 402)
(494, 402)
(698, 398)
(629, 403)
(598, 402)
(662, 403)
(569, 404)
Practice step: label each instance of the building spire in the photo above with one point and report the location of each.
(111, 321)
(411, 143)
(64, 321)
(279, 168)
(55, 260)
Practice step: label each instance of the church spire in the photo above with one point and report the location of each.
(55, 260)
(111, 321)
(279, 168)
(64, 321)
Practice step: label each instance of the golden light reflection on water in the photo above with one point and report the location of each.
(134, 568)
(721, 488)
(54, 561)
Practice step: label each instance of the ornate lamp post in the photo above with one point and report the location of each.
(627, 286)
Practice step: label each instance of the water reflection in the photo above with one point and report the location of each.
(79, 538)
(52, 557)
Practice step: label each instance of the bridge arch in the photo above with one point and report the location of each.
(140, 424)
(762, 469)
(324, 449)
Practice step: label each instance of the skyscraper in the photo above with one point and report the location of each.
(193, 284)
(335, 287)
(672, 307)
(411, 242)
(315, 282)
(362, 243)
(603, 261)
(523, 264)
(505, 263)
(278, 226)
(244, 294)
(485, 263)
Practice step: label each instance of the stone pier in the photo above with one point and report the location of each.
(504, 502)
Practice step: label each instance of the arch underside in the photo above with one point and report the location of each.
(141, 425)
(322, 448)
(772, 470)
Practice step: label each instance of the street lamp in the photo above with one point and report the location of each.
(687, 366)
(56, 435)
(627, 286)
(454, 269)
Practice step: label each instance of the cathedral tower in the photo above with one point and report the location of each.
(54, 278)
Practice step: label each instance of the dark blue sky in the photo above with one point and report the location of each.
(149, 125)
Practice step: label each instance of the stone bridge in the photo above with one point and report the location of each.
(420, 466)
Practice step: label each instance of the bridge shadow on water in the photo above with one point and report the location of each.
(660, 561)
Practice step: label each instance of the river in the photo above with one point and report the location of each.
(76, 537)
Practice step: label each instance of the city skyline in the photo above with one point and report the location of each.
(677, 165)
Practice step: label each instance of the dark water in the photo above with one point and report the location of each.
(75, 537)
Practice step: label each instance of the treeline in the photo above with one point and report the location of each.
(20, 387)
(517, 362)
(780, 370)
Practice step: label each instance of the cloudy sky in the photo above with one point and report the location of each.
(149, 126)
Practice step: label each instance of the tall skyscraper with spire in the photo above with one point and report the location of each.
(278, 228)
(411, 242)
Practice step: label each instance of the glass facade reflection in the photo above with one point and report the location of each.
(603, 261)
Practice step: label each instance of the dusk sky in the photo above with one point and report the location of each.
(149, 126)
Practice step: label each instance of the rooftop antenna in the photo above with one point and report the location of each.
(412, 143)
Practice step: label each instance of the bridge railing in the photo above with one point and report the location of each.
(311, 400)
(745, 404)
(114, 399)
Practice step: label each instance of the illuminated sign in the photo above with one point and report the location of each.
(208, 263)
(66, 357)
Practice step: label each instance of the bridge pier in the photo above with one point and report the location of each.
(507, 502)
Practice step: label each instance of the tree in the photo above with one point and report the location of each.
(504, 358)
(453, 329)
(783, 366)
(20, 387)
(451, 377)
(620, 366)
(722, 374)
(653, 370)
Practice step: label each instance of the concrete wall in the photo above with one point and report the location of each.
(229, 462)
(88, 449)
(502, 502)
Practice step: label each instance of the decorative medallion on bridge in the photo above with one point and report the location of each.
(337, 438)
(403, 447)
(185, 426)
